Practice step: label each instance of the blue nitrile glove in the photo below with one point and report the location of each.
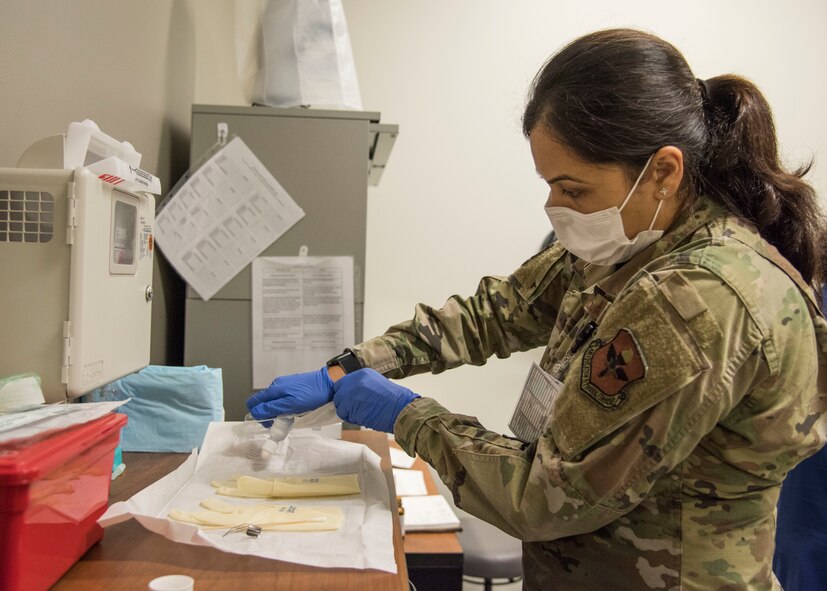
(292, 395)
(366, 397)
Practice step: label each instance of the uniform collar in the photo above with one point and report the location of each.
(609, 280)
(746, 233)
(700, 213)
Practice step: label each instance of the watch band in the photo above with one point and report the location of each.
(347, 361)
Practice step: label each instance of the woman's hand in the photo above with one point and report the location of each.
(366, 397)
(292, 394)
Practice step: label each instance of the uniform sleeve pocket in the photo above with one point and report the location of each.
(641, 353)
(491, 486)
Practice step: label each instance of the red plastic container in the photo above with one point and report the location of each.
(53, 489)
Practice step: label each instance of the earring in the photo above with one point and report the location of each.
(664, 191)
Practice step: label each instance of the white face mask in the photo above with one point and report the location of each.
(599, 237)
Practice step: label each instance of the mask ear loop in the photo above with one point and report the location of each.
(637, 182)
(657, 211)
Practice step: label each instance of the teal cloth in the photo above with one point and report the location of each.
(170, 407)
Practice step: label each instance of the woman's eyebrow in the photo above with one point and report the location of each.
(565, 177)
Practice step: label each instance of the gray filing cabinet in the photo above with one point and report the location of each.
(325, 160)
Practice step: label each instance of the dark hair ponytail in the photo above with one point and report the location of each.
(617, 96)
(742, 170)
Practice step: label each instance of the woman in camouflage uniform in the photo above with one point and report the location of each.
(681, 328)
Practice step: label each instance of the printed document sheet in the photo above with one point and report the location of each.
(224, 216)
(429, 513)
(303, 313)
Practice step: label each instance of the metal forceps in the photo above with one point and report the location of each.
(250, 529)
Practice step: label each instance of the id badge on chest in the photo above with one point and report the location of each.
(533, 411)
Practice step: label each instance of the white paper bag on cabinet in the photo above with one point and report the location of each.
(306, 56)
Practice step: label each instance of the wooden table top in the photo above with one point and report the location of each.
(130, 556)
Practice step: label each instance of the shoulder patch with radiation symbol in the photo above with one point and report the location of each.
(609, 368)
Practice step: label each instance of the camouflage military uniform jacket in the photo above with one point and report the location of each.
(701, 387)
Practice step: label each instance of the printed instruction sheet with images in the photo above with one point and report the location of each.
(224, 216)
(303, 313)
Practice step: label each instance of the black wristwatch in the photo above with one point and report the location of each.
(347, 361)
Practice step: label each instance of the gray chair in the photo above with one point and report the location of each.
(488, 553)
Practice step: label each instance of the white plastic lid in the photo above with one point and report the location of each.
(85, 143)
(172, 583)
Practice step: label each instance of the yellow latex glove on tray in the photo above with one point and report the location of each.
(292, 487)
(218, 514)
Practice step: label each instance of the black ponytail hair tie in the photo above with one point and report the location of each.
(704, 90)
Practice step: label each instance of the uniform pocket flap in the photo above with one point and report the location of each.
(642, 352)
